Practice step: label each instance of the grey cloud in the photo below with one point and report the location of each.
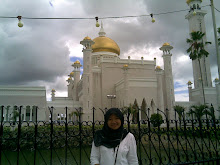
(36, 54)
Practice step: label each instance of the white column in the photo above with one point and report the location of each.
(30, 114)
(25, 114)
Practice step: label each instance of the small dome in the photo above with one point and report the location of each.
(125, 66)
(188, 1)
(189, 83)
(77, 62)
(87, 38)
(69, 78)
(53, 90)
(166, 44)
(72, 73)
(105, 44)
(158, 67)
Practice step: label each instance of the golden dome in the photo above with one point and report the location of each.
(72, 73)
(189, 83)
(188, 1)
(158, 67)
(87, 38)
(125, 66)
(53, 90)
(77, 62)
(69, 78)
(166, 44)
(105, 44)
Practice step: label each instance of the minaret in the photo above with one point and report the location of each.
(190, 90)
(160, 92)
(69, 86)
(53, 94)
(126, 99)
(168, 76)
(76, 77)
(87, 78)
(196, 23)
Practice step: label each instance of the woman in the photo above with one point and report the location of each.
(113, 145)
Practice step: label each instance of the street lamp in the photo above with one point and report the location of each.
(111, 97)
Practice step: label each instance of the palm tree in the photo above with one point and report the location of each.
(198, 111)
(76, 113)
(197, 50)
(180, 111)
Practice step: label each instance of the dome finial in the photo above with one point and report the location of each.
(102, 32)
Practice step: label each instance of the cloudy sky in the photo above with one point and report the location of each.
(42, 51)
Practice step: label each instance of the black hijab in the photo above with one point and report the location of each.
(108, 137)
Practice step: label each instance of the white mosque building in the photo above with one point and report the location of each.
(109, 81)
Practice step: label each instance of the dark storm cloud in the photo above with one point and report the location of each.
(37, 53)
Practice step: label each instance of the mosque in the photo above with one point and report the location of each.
(109, 81)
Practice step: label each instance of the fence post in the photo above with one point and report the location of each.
(93, 122)
(51, 135)
(128, 118)
(139, 137)
(149, 135)
(66, 139)
(1, 133)
(35, 137)
(19, 135)
(168, 133)
(80, 137)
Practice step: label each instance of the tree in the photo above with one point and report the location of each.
(180, 111)
(198, 111)
(156, 119)
(197, 50)
(76, 113)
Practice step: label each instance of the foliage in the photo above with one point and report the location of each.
(180, 111)
(15, 114)
(156, 119)
(197, 49)
(200, 110)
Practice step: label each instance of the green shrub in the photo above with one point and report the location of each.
(156, 119)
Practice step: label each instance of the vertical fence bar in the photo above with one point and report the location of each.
(149, 137)
(93, 122)
(186, 138)
(66, 138)
(19, 135)
(168, 135)
(128, 119)
(1, 133)
(80, 137)
(177, 138)
(51, 135)
(139, 137)
(35, 137)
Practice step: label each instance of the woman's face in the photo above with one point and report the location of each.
(114, 122)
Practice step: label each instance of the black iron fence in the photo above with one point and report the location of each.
(69, 142)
